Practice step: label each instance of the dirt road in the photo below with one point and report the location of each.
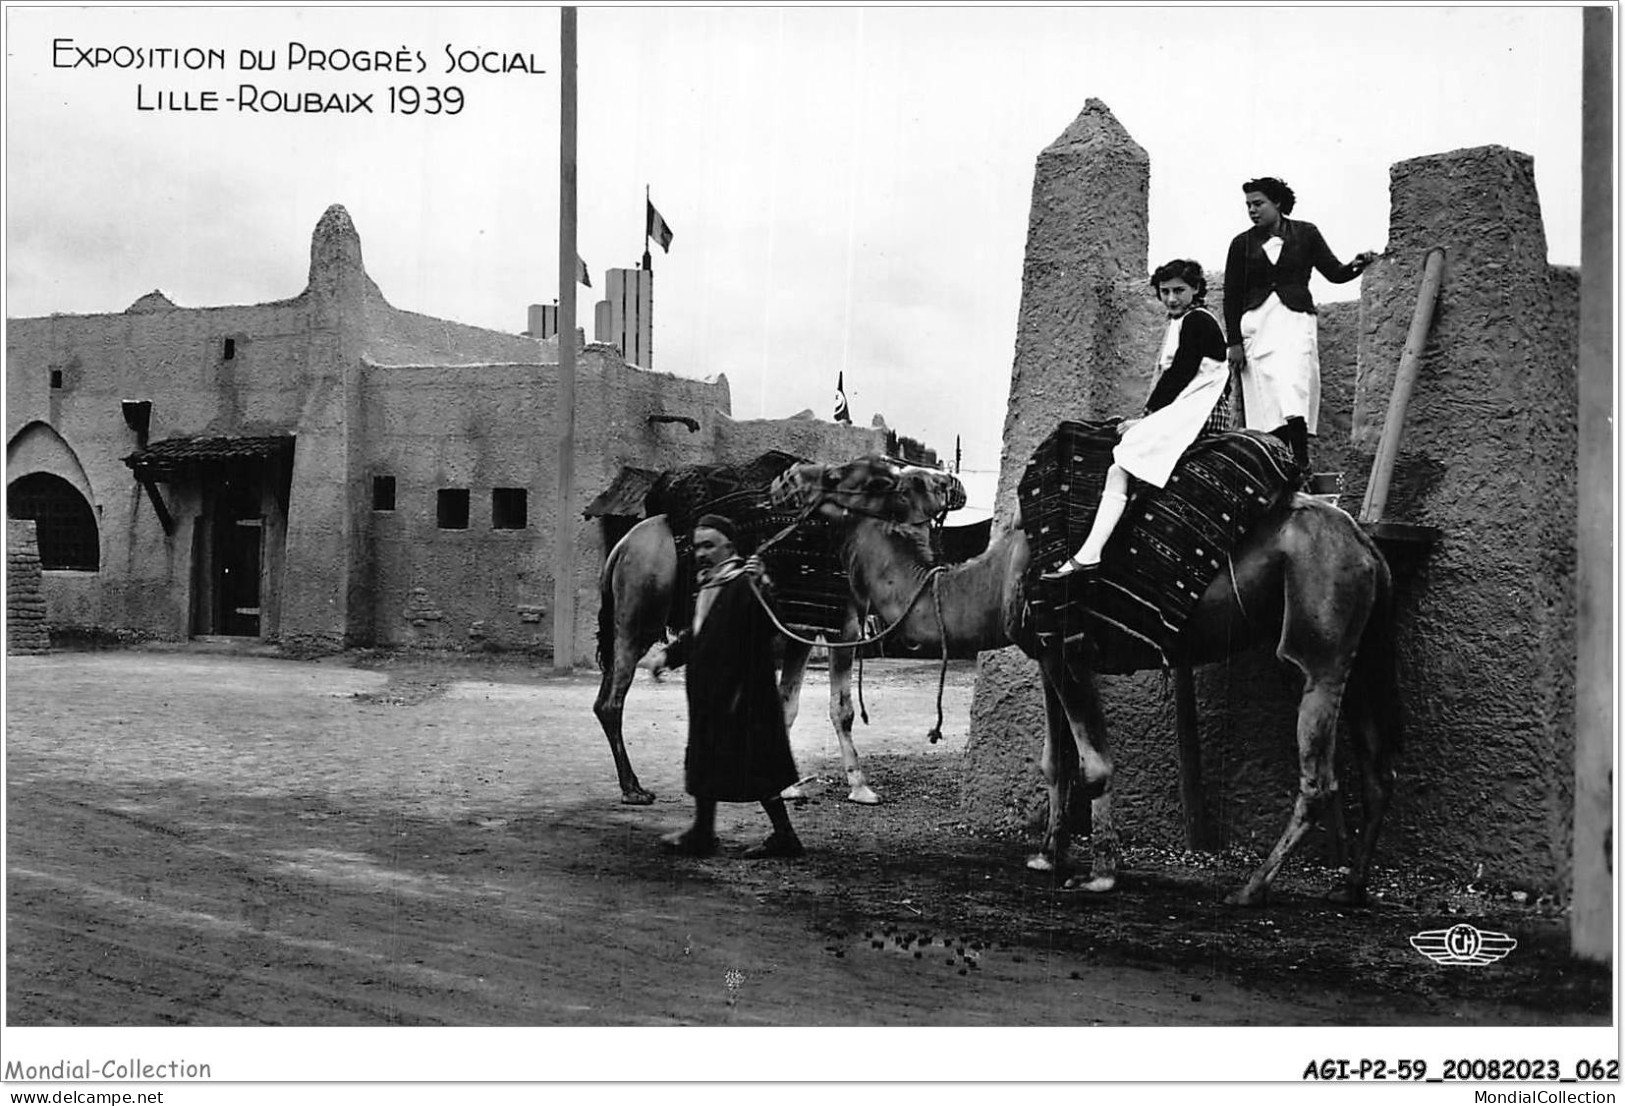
(238, 840)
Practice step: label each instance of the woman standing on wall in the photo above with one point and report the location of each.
(1269, 315)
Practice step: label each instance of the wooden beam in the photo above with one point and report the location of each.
(165, 520)
(1410, 363)
(1190, 759)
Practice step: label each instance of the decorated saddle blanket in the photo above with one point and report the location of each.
(1167, 549)
(810, 588)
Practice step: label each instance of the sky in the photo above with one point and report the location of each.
(848, 188)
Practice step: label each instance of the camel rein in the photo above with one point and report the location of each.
(931, 580)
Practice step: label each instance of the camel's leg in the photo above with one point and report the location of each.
(1328, 587)
(1337, 830)
(1060, 767)
(841, 715)
(1374, 751)
(1090, 755)
(635, 592)
(1317, 784)
(790, 678)
(609, 707)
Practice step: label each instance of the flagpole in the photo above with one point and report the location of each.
(564, 523)
(648, 205)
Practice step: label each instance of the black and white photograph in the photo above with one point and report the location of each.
(540, 538)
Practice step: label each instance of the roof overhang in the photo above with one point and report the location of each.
(163, 460)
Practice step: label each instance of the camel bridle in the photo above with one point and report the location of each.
(833, 496)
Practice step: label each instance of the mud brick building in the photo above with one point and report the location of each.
(327, 470)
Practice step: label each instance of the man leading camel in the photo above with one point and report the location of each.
(738, 746)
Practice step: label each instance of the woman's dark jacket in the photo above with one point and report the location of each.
(1249, 278)
(1199, 339)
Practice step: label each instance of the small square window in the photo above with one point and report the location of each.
(451, 508)
(230, 351)
(383, 493)
(56, 378)
(507, 508)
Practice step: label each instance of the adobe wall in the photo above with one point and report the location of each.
(487, 426)
(805, 436)
(173, 357)
(1485, 628)
(26, 630)
(1489, 456)
(624, 398)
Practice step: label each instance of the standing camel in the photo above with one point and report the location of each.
(638, 586)
(1305, 577)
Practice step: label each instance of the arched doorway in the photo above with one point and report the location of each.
(64, 522)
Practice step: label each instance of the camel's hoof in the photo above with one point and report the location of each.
(1095, 885)
(864, 795)
(1038, 862)
(1347, 895)
(637, 797)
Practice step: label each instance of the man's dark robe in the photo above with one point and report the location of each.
(738, 747)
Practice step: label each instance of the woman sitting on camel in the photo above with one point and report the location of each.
(1193, 377)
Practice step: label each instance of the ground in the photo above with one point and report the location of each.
(209, 839)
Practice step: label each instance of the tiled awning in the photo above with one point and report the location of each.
(162, 459)
(623, 498)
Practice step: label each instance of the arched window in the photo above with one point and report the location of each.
(63, 521)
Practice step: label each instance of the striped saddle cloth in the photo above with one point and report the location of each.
(1167, 549)
(810, 588)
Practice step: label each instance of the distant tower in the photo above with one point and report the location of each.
(542, 320)
(625, 316)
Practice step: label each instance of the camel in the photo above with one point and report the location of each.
(1305, 577)
(638, 584)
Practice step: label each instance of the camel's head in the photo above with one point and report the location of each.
(870, 487)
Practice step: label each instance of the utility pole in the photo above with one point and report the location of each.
(564, 522)
(1592, 923)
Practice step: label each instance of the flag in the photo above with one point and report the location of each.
(843, 413)
(657, 229)
(581, 272)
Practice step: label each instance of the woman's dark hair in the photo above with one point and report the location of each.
(1278, 191)
(1188, 271)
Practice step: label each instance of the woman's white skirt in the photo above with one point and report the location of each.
(1149, 449)
(1282, 376)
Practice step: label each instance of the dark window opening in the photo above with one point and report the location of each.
(507, 508)
(451, 508)
(56, 378)
(383, 493)
(64, 524)
(230, 351)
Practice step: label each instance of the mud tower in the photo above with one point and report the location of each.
(1488, 458)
